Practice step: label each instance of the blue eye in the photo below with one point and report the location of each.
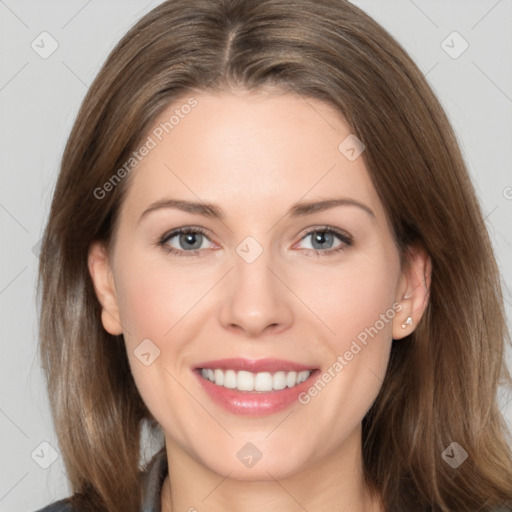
(191, 239)
(323, 238)
(188, 238)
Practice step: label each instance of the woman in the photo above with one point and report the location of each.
(224, 147)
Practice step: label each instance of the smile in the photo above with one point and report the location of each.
(248, 381)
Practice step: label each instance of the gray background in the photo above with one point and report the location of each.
(39, 98)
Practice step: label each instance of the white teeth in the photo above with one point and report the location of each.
(219, 377)
(302, 376)
(279, 380)
(245, 381)
(291, 379)
(263, 381)
(248, 381)
(230, 379)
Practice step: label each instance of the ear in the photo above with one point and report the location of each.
(413, 291)
(103, 281)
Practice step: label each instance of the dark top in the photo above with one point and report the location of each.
(153, 479)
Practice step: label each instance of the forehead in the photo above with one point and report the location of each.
(249, 152)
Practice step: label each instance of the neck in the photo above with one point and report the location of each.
(332, 483)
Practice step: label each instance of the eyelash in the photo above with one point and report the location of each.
(162, 242)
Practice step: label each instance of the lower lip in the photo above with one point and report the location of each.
(254, 403)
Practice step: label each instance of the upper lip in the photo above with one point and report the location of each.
(255, 365)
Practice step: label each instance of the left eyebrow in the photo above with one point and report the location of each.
(214, 211)
(301, 209)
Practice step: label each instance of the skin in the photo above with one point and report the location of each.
(255, 155)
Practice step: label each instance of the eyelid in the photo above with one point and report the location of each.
(185, 229)
(341, 233)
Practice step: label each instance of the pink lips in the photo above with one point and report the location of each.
(254, 403)
(255, 365)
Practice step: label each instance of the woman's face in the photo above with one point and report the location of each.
(263, 291)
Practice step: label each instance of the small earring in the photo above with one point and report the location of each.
(407, 322)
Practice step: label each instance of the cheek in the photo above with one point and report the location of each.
(362, 318)
(153, 300)
(155, 297)
(352, 297)
(356, 303)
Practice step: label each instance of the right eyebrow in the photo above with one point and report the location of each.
(205, 209)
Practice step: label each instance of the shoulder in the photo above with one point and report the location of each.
(59, 506)
(152, 474)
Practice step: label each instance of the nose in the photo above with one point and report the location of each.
(255, 298)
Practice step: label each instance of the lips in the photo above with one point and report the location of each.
(254, 387)
(254, 365)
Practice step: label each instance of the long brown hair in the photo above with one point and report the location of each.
(442, 380)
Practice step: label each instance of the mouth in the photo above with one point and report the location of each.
(254, 387)
(260, 382)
